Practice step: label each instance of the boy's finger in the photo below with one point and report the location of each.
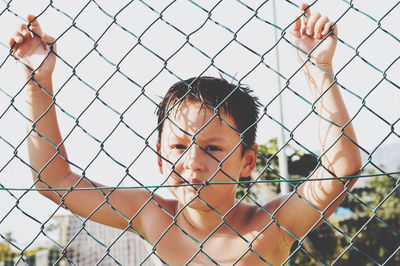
(23, 28)
(49, 40)
(334, 29)
(18, 37)
(297, 24)
(312, 22)
(34, 25)
(326, 28)
(11, 42)
(303, 7)
(319, 26)
(304, 16)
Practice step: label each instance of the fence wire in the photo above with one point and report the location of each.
(119, 69)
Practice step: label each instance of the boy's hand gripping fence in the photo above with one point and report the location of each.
(114, 61)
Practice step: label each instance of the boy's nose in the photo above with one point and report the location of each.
(195, 158)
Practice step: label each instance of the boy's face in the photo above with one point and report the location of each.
(193, 164)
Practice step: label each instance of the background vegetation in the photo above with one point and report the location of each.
(364, 231)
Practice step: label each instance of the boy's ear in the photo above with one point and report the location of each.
(159, 159)
(249, 161)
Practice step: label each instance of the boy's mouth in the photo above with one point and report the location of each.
(195, 183)
(190, 182)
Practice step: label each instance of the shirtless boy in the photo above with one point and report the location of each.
(196, 146)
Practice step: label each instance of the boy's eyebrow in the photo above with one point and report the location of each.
(198, 138)
(201, 138)
(215, 138)
(210, 139)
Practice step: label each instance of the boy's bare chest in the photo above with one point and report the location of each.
(177, 247)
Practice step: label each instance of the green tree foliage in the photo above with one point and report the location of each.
(299, 165)
(366, 233)
(6, 254)
(369, 235)
(374, 227)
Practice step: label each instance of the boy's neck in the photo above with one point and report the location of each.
(205, 221)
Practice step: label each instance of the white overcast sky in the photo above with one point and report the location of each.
(142, 66)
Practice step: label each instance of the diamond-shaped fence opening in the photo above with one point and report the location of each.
(134, 190)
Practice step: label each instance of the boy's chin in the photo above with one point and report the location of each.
(190, 197)
(196, 204)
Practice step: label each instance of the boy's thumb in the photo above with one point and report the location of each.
(49, 40)
(30, 18)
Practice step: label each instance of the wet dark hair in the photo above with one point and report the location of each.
(212, 92)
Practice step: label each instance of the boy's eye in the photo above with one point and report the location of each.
(212, 148)
(178, 147)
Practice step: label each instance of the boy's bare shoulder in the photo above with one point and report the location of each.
(261, 211)
(155, 214)
(260, 222)
(256, 215)
(159, 205)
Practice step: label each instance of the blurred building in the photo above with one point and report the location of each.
(90, 243)
(86, 243)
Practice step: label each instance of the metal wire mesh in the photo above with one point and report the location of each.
(114, 60)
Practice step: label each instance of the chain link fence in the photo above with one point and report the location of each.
(115, 60)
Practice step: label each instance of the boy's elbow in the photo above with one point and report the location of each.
(54, 191)
(354, 165)
(345, 167)
(51, 193)
(350, 170)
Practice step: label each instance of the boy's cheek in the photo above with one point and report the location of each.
(231, 163)
(167, 171)
(173, 176)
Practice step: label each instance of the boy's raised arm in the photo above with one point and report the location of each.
(36, 50)
(31, 47)
(340, 154)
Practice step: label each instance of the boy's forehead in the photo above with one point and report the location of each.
(190, 117)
